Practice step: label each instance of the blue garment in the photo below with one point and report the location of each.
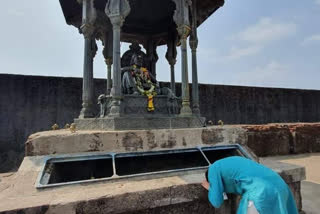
(254, 182)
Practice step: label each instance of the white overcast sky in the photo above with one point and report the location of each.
(246, 42)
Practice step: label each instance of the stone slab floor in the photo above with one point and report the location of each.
(311, 186)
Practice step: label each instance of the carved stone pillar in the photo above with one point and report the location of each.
(185, 110)
(108, 62)
(193, 42)
(90, 48)
(152, 56)
(108, 55)
(181, 18)
(116, 10)
(171, 56)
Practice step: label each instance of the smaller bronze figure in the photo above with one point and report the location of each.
(103, 101)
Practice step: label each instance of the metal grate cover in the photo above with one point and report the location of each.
(75, 169)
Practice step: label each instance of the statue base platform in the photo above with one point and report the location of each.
(177, 193)
(137, 123)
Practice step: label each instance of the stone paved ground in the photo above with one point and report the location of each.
(311, 186)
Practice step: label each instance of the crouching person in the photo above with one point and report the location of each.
(263, 191)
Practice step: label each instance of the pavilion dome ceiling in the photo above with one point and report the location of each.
(147, 17)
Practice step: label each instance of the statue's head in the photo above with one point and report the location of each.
(136, 59)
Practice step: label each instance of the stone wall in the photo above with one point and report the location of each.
(263, 140)
(253, 105)
(30, 104)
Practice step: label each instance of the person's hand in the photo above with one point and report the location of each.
(205, 184)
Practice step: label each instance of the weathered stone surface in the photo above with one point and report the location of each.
(292, 174)
(266, 140)
(296, 191)
(306, 137)
(136, 123)
(29, 104)
(10, 160)
(310, 188)
(64, 141)
(283, 139)
(181, 193)
(211, 136)
(310, 193)
(289, 172)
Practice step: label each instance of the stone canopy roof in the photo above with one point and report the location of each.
(147, 17)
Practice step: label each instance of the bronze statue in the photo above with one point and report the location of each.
(137, 79)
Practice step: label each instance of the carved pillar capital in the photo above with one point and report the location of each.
(117, 11)
(184, 31)
(89, 16)
(87, 30)
(181, 17)
(193, 40)
(181, 14)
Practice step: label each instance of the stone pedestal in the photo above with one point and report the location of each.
(135, 115)
(136, 123)
(180, 193)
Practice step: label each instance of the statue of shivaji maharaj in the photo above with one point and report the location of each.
(137, 80)
(136, 72)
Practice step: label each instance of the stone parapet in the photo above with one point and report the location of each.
(292, 174)
(65, 142)
(263, 140)
(283, 139)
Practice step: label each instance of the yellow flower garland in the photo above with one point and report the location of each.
(149, 93)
